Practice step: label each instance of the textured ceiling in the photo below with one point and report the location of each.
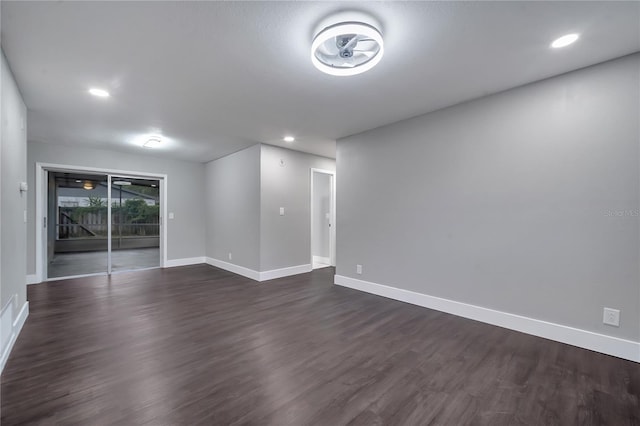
(216, 77)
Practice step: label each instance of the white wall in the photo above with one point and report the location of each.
(285, 241)
(13, 202)
(13, 161)
(245, 191)
(185, 192)
(232, 190)
(524, 202)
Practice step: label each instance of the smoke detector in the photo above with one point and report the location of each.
(347, 48)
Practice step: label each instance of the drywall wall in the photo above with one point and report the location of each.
(320, 209)
(185, 192)
(244, 194)
(285, 181)
(523, 202)
(232, 190)
(13, 159)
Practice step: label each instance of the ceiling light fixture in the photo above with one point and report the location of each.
(121, 182)
(347, 48)
(565, 40)
(101, 93)
(88, 185)
(153, 142)
(288, 139)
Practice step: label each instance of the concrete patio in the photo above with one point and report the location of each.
(82, 263)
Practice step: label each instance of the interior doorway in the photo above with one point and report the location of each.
(97, 223)
(322, 218)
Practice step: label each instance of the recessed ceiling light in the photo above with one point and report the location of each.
(347, 48)
(78, 181)
(153, 185)
(565, 40)
(153, 142)
(121, 182)
(101, 93)
(288, 139)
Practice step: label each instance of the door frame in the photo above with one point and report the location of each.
(42, 170)
(332, 215)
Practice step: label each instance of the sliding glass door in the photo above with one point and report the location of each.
(101, 224)
(135, 224)
(77, 238)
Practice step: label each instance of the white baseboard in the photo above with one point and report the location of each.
(320, 259)
(185, 262)
(284, 272)
(6, 325)
(626, 349)
(33, 279)
(16, 327)
(256, 275)
(236, 269)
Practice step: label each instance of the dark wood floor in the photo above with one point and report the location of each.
(200, 346)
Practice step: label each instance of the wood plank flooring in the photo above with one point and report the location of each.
(200, 346)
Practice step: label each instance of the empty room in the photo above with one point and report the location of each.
(320, 213)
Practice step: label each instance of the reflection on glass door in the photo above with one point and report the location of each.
(135, 224)
(77, 224)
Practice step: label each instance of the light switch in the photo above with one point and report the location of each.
(281, 211)
(171, 216)
(25, 216)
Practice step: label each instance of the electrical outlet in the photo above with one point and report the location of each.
(230, 256)
(611, 317)
(359, 269)
(281, 211)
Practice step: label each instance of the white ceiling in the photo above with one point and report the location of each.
(216, 77)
